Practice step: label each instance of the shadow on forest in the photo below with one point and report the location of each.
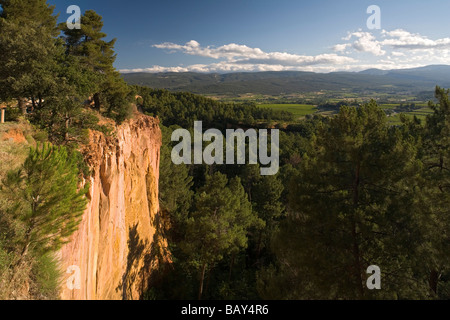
(145, 261)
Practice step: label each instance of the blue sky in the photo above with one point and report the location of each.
(261, 35)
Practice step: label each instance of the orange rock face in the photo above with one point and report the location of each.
(112, 254)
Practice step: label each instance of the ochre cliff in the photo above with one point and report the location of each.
(115, 248)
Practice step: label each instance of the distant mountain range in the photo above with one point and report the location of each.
(402, 81)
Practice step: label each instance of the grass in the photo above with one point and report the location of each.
(12, 154)
(421, 114)
(299, 110)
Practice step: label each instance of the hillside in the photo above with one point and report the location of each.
(395, 82)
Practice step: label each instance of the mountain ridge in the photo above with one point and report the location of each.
(394, 81)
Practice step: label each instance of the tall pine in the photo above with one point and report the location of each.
(46, 198)
(354, 204)
(219, 225)
(97, 56)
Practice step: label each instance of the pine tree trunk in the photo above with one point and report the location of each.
(433, 281)
(33, 103)
(97, 102)
(22, 105)
(356, 251)
(258, 249)
(25, 248)
(208, 280)
(233, 258)
(202, 278)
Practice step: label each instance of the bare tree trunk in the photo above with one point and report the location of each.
(66, 135)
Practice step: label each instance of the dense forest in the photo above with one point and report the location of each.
(352, 191)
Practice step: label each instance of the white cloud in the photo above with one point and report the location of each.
(394, 49)
(244, 55)
(393, 40)
(402, 39)
(341, 47)
(234, 57)
(366, 42)
(229, 51)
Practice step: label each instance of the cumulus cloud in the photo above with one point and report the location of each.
(242, 54)
(365, 42)
(235, 57)
(394, 49)
(229, 51)
(341, 47)
(402, 39)
(392, 40)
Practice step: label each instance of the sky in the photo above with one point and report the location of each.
(271, 35)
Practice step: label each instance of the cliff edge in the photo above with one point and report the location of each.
(115, 248)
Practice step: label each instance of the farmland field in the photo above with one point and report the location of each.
(421, 114)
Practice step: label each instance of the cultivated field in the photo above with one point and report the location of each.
(299, 110)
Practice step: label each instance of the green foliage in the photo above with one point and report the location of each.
(184, 108)
(353, 204)
(96, 58)
(41, 205)
(12, 114)
(45, 198)
(352, 191)
(47, 275)
(219, 224)
(175, 182)
(41, 136)
(28, 45)
(436, 160)
(297, 110)
(57, 75)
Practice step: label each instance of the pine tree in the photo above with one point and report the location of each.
(270, 209)
(97, 56)
(436, 159)
(353, 205)
(219, 224)
(175, 183)
(46, 198)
